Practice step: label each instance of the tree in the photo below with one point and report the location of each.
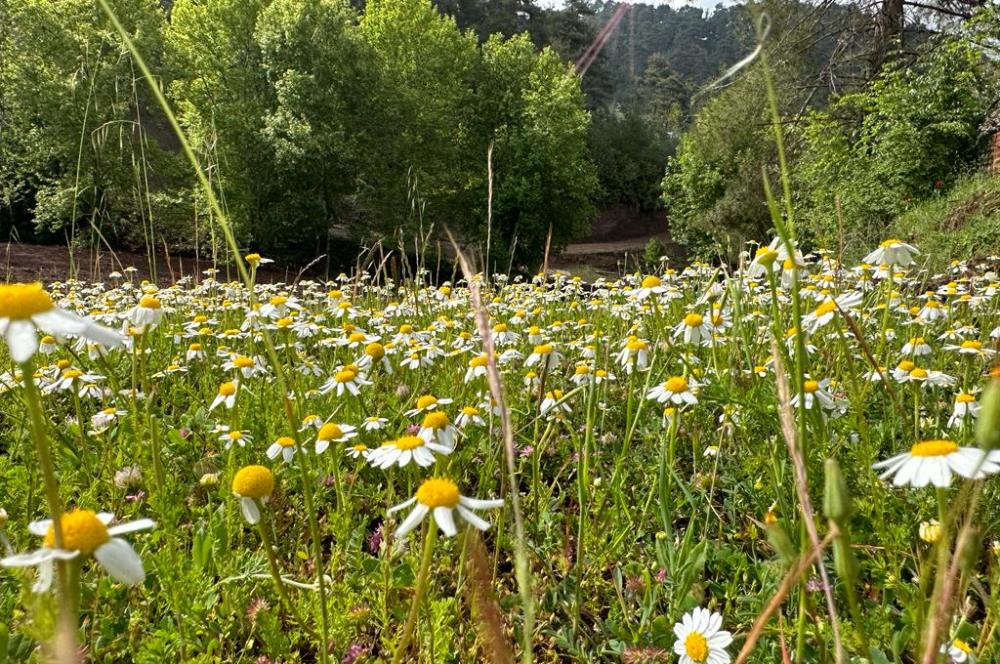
(75, 128)
(531, 109)
(421, 159)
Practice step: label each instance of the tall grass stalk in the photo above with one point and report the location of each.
(272, 355)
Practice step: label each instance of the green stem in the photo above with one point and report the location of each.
(33, 401)
(425, 567)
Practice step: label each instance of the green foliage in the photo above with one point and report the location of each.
(308, 117)
(78, 143)
(712, 189)
(543, 178)
(911, 132)
(961, 223)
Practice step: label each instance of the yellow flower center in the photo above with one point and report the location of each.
(906, 365)
(408, 443)
(933, 448)
(335, 294)
(436, 420)
(22, 301)
(696, 646)
(963, 646)
(48, 340)
(426, 401)
(356, 337)
(917, 372)
(582, 370)
(965, 398)
(81, 531)
(63, 364)
(227, 389)
(194, 347)
(635, 344)
(243, 362)
(406, 328)
(811, 386)
(375, 350)
(478, 361)
(694, 320)
(972, 344)
(149, 302)
(286, 441)
(543, 349)
(470, 410)
(253, 482)
(827, 307)
(253, 259)
(278, 300)
(438, 492)
(72, 373)
(676, 384)
(345, 376)
(330, 431)
(500, 327)
(651, 282)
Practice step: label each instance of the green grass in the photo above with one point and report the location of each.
(962, 224)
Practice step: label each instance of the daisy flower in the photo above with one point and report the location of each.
(826, 311)
(441, 497)
(935, 461)
(958, 651)
(401, 451)
(469, 415)
(84, 533)
(965, 407)
(892, 252)
(374, 423)
(333, 433)
(633, 355)
(917, 346)
(425, 404)
(651, 285)
(226, 395)
(701, 639)
(694, 329)
(477, 368)
(253, 485)
(346, 379)
(436, 427)
(676, 390)
(545, 356)
(148, 313)
(285, 446)
(27, 307)
(814, 393)
(555, 401)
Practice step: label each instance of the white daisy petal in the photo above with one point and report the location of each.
(121, 561)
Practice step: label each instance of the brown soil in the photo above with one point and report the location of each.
(47, 263)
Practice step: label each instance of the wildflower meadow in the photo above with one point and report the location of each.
(790, 460)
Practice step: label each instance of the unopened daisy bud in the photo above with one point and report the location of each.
(3, 518)
(781, 543)
(209, 480)
(836, 500)
(930, 531)
(988, 424)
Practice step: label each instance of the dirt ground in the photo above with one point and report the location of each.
(47, 263)
(615, 245)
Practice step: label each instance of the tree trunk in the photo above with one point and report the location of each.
(888, 33)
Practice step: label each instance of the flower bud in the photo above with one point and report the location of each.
(836, 500)
(930, 531)
(988, 425)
